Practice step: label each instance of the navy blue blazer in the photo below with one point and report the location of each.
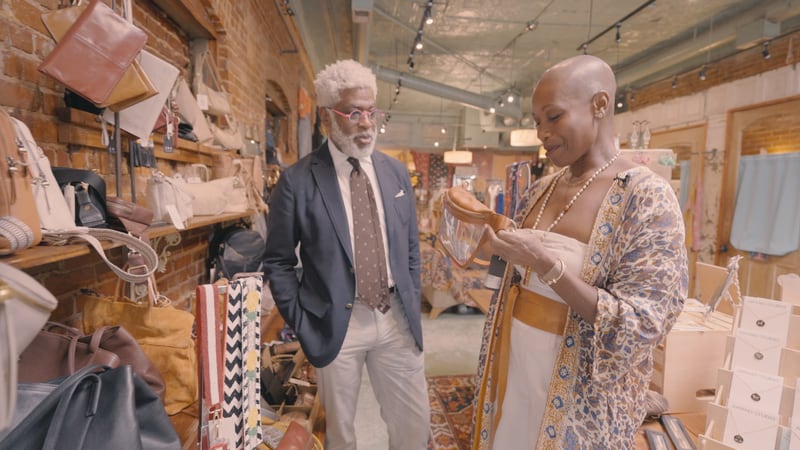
(306, 207)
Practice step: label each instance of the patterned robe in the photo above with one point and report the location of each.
(636, 256)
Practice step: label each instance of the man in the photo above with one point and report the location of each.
(355, 265)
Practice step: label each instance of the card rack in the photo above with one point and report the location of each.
(741, 404)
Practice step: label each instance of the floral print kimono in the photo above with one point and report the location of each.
(636, 257)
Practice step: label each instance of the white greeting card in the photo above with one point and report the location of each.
(756, 351)
(750, 429)
(757, 390)
(766, 316)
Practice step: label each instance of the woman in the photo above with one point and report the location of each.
(596, 277)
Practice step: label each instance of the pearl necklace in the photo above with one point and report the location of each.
(574, 197)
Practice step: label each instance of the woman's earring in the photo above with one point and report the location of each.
(599, 114)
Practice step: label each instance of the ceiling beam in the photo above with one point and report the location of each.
(448, 92)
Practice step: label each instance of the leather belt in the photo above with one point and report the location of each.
(539, 311)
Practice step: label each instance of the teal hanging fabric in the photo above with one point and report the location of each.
(766, 218)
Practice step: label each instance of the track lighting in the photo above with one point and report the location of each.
(418, 45)
(618, 37)
(444, 130)
(674, 82)
(765, 52)
(531, 25)
(492, 110)
(510, 98)
(702, 73)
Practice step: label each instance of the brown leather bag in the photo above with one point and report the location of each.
(133, 87)
(101, 39)
(59, 350)
(19, 222)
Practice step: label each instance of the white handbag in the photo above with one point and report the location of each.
(210, 198)
(25, 306)
(54, 213)
(190, 112)
(168, 199)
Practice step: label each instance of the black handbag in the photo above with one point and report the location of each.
(94, 408)
(90, 195)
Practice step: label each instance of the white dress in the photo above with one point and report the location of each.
(532, 357)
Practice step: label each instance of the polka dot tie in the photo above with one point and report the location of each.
(372, 284)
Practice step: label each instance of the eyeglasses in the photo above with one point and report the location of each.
(355, 115)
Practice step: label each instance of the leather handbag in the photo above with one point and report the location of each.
(133, 87)
(85, 192)
(461, 232)
(163, 332)
(94, 408)
(190, 112)
(100, 39)
(53, 354)
(19, 222)
(25, 305)
(140, 119)
(135, 218)
(209, 198)
(166, 193)
(54, 214)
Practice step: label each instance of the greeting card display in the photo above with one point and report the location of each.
(750, 429)
(762, 315)
(756, 351)
(756, 390)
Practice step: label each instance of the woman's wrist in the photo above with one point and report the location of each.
(555, 273)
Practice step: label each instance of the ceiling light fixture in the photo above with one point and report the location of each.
(702, 74)
(531, 25)
(674, 82)
(765, 52)
(618, 37)
(492, 110)
(457, 156)
(585, 45)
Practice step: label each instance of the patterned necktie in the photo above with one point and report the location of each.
(371, 276)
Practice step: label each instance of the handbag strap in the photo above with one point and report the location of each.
(18, 234)
(35, 418)
(92, 236)
(64, 401)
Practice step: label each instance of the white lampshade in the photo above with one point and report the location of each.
(525, 137)
(458, 157)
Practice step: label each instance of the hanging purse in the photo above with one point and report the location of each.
(94, 408)
(100, 39)
(165, 194)
(461, 232)
(133, 87)
(25, 306)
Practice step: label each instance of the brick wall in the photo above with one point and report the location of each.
(741, 65)
(251, 53)
(773, 134)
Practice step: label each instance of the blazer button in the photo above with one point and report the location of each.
(349, 306)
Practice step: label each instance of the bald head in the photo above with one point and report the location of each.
(582, 76)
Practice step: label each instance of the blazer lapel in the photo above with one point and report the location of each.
(325, 176)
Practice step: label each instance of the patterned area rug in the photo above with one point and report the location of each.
(451, 411)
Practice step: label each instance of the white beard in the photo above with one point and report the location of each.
(346, 143)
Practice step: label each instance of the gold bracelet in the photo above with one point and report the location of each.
(549, 278)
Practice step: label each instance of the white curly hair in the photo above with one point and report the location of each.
(341, 75)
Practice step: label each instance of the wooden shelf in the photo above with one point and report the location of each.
(46, 254)
(82, 129)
